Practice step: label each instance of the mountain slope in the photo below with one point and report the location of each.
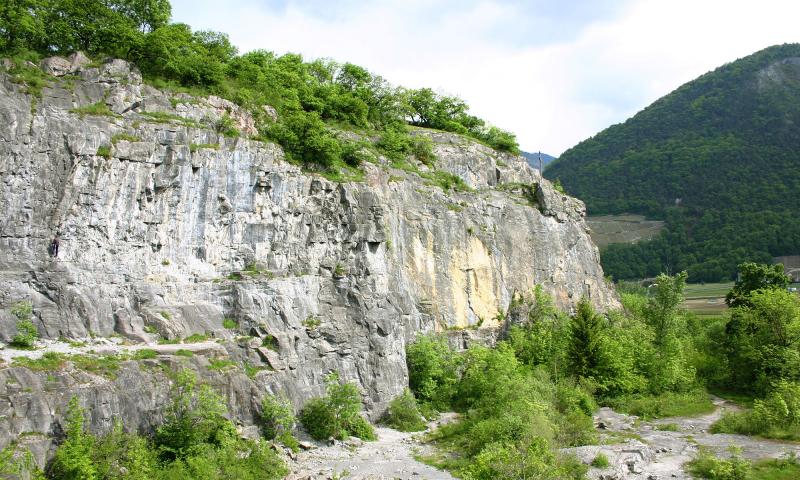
(717, 158)
(533, 159)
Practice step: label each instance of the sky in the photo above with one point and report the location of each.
(553, 72)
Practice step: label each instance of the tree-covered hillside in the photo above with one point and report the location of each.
(718, 159)
(314, 99)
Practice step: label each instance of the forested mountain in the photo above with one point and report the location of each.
(717, 159)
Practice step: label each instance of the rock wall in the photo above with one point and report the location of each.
(167, 228)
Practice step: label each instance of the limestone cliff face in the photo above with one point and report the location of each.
(171, 228)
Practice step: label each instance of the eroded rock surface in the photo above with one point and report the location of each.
(167, 228)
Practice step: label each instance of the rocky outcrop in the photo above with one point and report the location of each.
(168, 227)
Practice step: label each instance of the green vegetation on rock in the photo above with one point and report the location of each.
(314, 100)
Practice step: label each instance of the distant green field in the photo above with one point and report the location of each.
(709, 298)
(707, 290)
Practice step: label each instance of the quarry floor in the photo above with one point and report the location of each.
(635, 449)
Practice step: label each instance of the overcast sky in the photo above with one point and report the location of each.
(553, 72)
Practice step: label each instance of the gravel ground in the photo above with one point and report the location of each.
(390, 457)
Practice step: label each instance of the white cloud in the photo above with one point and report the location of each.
(551, 94)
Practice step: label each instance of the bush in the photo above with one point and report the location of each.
(27, 332)
(706, 465)
(193, 420)
(403, 414)
(73, 458)
(776, 416)
(278, 420)
(432, 371)
(395, 143)
(422, 149)
(338, 414)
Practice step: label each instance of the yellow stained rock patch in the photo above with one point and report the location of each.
(472, 277)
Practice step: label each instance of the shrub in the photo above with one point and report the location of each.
(422, 149)
(194, 418)
(500, 140)
(776, 416)
(278, 420)
(403, 414)
(197, 441)
(336, 415)
(26, 331)
(706, 465)
(356, 153)
(226, 126)
(432, 371)
(73, 458)
(395, 143)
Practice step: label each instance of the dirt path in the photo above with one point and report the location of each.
(654, 452)
(390, 457)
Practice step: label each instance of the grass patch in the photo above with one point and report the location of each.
(666, 405)
(749, 423)
(164, 117)
(216, 365)
(119, 137)
(165, 315)
(270, 342)
(783, 469)
(48, 362)
(668, 427)
(445, 180)
(104, 151)
(196, 338)
(252, 370)
(104, 365)
(99, 109)
(230, 324)
(706, 290)
(311, 322)
(32, 78)
(600, 461)
(199, 146)
(339, 270)
(145, 354)
(184, 353)
(169, 341)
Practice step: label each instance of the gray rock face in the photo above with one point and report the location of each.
(172, 228)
